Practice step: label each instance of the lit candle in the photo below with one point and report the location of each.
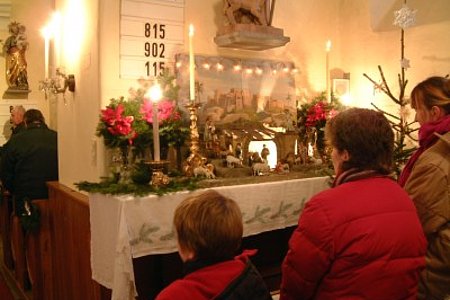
(155, 94)
(57, 24)
(327, 78)
(191, 64)
(46, 33)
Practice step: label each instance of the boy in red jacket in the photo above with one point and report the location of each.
(209, 231)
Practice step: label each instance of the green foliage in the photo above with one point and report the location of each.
(168, 85)
(313, 116)
(110, 186)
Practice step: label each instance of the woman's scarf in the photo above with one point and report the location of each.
(355, 174)
(427, 138)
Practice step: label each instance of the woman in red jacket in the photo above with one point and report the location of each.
(362, 238)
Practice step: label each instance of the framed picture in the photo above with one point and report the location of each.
(341, 87)
(230, 89)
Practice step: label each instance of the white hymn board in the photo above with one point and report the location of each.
(151, 32)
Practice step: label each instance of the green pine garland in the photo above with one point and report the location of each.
(110, 186)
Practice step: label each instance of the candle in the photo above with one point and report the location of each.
(47, 47)
(327, 66)
(155, 94)
(46, 33)
(57, 24)
(191, 64)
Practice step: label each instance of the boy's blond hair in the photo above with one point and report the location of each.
(209, 225)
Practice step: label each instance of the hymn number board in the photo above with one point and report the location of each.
(151, 32)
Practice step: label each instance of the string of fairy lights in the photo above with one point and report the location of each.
(245, 66)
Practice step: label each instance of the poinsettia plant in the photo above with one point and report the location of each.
(313, 116)
(120, 123)
(129, 122)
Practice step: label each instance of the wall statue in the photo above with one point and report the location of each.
(257, 12)
(14, 49)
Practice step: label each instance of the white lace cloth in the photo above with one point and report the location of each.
(126, 227)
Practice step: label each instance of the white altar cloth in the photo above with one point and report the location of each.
(126, 227)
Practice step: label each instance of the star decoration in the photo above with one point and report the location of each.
(405, 63)
(405, 17)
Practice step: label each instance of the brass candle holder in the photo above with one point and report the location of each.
(195, 159)
(158, 176)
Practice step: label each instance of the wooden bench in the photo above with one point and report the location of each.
(32, 253)
(5, 228)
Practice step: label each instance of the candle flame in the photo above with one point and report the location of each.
(191, 30)
(155, 93)
(328, 46)
(46, 32)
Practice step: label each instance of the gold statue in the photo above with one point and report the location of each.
(14, 49)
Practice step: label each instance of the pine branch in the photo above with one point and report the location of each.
(402, 90)
(377, 85)
(384, 112)
(388, 91)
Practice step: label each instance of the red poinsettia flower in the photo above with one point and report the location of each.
(166, 111)
(117, 123)
(316, 113)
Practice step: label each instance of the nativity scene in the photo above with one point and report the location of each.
(219, 149)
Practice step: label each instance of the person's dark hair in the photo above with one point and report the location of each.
(433, 91)
(209, 225)
(367, 137)
(33, 116)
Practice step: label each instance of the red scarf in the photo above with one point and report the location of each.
(426, 139)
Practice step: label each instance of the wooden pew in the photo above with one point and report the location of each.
(5, 227)
(18, 252)
(38, 253)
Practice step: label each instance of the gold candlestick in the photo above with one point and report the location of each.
(195, 159)
(158, 176)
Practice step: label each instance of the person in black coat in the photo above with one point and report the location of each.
(29, 160)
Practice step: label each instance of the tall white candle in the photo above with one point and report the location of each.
(156, 155)
(155, 94)
(327, 77)
(191, 64)
(57, 38)
(46, 34)
(47, 49)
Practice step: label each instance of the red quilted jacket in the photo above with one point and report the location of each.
(359, 240)
(231, 280)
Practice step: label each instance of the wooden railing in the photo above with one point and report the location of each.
(56, 258)
(71, 245)
(60, 253)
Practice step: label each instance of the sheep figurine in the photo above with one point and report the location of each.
(260, 168)
(233, 161)
(206, 171)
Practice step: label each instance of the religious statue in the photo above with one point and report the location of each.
(14, 49)
(257, 12)
(265, 153)
(209, 135)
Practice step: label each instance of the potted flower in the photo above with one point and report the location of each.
(126, 124)
(312, 118)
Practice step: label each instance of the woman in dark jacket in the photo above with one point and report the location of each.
(362, 238)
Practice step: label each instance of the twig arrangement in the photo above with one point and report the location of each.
(400, 124)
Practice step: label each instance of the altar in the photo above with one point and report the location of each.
(126, 227)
